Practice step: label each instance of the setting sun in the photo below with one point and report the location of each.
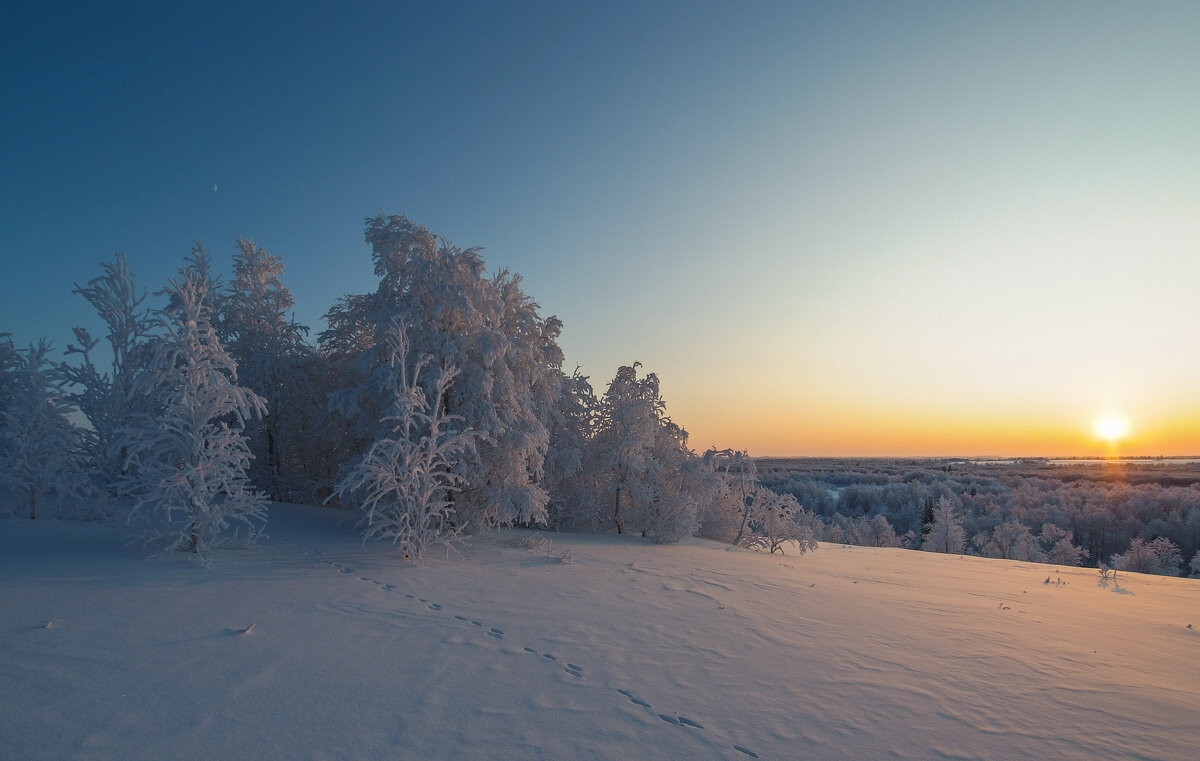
(1111, 426)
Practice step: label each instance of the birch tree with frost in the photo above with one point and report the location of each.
(106, 397)
(187, 461)
(406, 481)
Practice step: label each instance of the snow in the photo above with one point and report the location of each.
(313, 646)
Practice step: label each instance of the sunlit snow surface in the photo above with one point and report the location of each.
(311, 646)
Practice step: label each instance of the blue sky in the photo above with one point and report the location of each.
(831, 228)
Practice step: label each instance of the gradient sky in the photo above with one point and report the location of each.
(830, 228)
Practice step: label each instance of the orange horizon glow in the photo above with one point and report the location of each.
(844, 432)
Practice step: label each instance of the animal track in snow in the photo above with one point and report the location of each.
(573, 669)
(634, 698)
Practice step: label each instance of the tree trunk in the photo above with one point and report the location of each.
(617, 512)
(747, 501)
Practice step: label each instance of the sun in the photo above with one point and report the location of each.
(1111, 426)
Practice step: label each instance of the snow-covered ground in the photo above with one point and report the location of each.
(312, 646)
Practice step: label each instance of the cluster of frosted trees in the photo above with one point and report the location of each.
(434, 405)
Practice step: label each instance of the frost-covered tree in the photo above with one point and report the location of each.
(1159, 555)
(637, 452)
(506, 354)
(731, 495)
(1058, 547)
(275, 362)
(105, 397)
(405, 482)
(40, 449)
(946, 533)
(862, 531)
(1012, 540)
(9, 362)
(187, 460)
(342, 374)
(568, 482)
(777, 519)
(1195, 566)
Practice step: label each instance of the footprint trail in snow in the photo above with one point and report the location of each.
(569, 668)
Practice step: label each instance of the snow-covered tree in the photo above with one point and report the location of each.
(640, 461)
(342, 372)
(1195, 566)
(106, 398)
(731, 497)
(623, 447)
(1058, 547)
(405, 482)
(1012, 540)
(946, 532)
(9, 362)
(1159, 555)
(723, 512)
(568, 482)
(187, 456)
(777, 519)
(274, 361)
(862, 531)
(40, 449)
(507, 357)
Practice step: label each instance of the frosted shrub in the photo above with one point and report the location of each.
(405, 481)
(775, 520)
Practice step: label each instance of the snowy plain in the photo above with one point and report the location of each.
(311, 645)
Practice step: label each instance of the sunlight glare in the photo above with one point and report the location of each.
(1111, 426)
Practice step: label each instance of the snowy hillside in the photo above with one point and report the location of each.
(312, 646)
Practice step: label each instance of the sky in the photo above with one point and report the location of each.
(831, 229)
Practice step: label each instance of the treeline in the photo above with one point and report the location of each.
(434, 405)
(995, 511)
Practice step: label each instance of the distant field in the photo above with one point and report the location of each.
(1177, 471)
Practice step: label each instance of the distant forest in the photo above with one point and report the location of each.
(1017, 510)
